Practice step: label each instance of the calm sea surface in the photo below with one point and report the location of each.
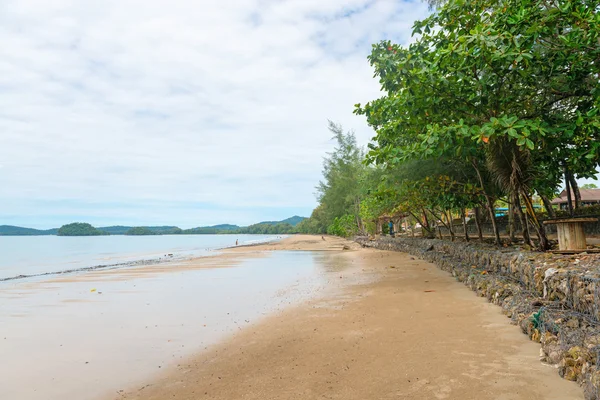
(34, 255)
(86, 336)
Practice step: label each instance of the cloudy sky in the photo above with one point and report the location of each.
(183, 112)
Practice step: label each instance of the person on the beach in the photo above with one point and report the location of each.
(391, 228)
(236, 242)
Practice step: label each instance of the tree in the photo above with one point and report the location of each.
(589, 186)
(507, 87)
(79, 229)
(339, 193)
(141, 231)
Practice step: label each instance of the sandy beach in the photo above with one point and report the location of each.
(389, 326)
(86, 335)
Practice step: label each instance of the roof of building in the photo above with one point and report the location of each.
(586, 195)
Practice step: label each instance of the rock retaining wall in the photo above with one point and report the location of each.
(554, 299)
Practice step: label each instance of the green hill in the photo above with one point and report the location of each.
(115, 230)
(293, 221)
(159, 230)
(80, 229)
(10, 230)
(224, 227)
(141, 231)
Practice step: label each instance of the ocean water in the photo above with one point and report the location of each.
(85, 336)
(34, 255)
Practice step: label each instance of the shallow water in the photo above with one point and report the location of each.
(33, 255)
(87, 336)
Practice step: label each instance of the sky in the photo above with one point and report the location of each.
(182, 112)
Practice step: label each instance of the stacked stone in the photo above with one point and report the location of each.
(555, 299)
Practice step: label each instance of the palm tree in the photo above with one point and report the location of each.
(512, 168)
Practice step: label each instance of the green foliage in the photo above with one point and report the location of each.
(342, 170)
(122, 230)
(141, 231)
(287, 226)
(268, 229)
(10, 230)
(342, 189)
(295, 220)
(589, 186)
(316, 224)
(581, 211)
(344, 226)
(507, 89)
(79, 229)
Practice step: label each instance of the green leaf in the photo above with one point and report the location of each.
(529, 143)
(512, 132)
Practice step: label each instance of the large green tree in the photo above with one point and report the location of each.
(339, 193)
(506, 87)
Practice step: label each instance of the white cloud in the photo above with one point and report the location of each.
(154, 102)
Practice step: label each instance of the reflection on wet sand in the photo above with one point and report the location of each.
(83, 336)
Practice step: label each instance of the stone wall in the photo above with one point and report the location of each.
(554, 299)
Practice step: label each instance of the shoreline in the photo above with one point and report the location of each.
(166, 259)
(112, 328)
(411, 333)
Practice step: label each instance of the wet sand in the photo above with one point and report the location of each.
(411, 333)
(86, 336)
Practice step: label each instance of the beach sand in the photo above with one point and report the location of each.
(410, 332)
(87, 335)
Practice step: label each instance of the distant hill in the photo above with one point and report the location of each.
(285, 226)
(80, 229)
(10, 230)
(141, 231)
(158, 230)
(115, 230)
(211, 230)
(293, 221)
(224, 227)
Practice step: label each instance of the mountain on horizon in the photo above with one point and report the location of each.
(120, 229)
(10, 230)
(293, 221)
(223, 227)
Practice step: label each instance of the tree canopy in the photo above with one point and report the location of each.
(494, 100)
(79, 229)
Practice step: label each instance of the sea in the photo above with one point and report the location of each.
(24, 257)
(85, 317)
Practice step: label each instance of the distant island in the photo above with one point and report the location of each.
(286, 226)
(80, 229)
(140, 231)
(10, 230)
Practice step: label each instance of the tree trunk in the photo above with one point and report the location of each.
(548, 206)
(576, 192)
(478, 223)
(490, 205)
(450, 227)
(511, 221)
(427, 226)
(464, 221)
(568, 188)
(539, 228)
(523, 220)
